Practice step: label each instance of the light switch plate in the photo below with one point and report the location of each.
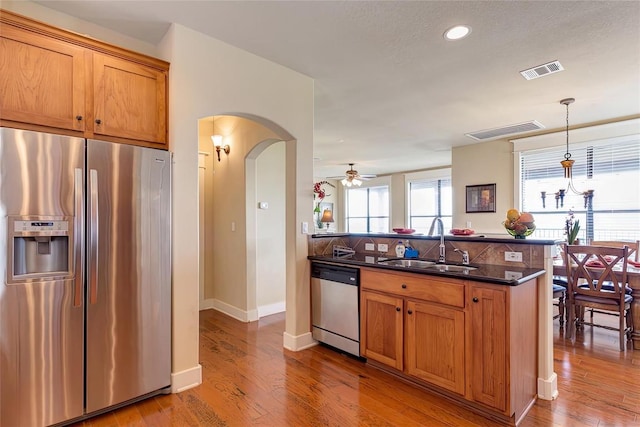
(383, 247)
(369, 247)
(305, 227)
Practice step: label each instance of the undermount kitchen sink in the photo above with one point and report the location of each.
(416, 263)
(452, 268)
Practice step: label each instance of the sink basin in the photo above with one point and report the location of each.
(453, 267)
(415, 263)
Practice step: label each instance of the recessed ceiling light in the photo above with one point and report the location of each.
(458, 32)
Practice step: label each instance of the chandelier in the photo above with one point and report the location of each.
(567, 164)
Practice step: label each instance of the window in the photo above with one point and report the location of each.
(609, 167)
(368, 209)
(429, 195)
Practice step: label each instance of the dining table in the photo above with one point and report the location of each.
(633, 281)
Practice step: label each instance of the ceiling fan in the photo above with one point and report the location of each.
(352, 177)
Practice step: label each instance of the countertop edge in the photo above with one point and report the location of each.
(532, 273)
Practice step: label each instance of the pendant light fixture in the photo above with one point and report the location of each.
(567, 165)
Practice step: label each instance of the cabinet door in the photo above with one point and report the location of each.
(381, 322)
(435, 345)
(129, 99)
(487, 352)
(42, 80)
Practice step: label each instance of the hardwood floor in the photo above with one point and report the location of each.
(249, 379)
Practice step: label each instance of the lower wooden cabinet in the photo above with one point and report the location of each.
(434, 344)
(478, 343)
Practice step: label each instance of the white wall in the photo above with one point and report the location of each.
(270, 266)
(210, 77)
(483, 163)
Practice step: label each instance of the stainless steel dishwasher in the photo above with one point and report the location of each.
(335, 306)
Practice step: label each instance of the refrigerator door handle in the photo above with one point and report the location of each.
(78, 236)
(93, 236)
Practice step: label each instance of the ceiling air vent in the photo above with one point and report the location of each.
(483, 135)
(542, 70)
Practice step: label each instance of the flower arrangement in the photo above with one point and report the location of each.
(571, 228)
(320, 194)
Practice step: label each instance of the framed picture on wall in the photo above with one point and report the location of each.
(481, 198)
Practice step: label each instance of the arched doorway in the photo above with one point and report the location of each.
(231, 232)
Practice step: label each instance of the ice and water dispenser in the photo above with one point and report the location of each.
(40, 247)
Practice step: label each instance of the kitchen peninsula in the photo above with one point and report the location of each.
(481, 335)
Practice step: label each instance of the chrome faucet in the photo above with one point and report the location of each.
(441, 257)
(465, 256)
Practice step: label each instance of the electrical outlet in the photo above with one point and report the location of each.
(512, 275)
(513, 256)
(383, 247)
(369, 247)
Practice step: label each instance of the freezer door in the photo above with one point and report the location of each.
(128, 273)
(41, 294)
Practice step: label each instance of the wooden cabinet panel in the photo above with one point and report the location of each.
(435, 345)
(42, 80)
(428, 288)
(381, 328)
(487, 350)
(129, 99)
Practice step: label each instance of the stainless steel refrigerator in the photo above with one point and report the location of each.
(85, 297)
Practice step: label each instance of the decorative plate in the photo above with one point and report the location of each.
(404, 230)
(461, 231)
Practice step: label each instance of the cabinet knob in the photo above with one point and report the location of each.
(78, 118)
(410, 311)
(404, 286)
(474, 299)
(397, 308)
(98, 121)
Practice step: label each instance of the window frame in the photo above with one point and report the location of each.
(579, 139)
(384, 181)
(422, 176)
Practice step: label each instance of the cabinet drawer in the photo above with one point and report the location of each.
(441, 290)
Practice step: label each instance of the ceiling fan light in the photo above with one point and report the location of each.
(346, 182)
(357, 182)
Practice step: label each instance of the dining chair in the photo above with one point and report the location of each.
(634, 247)
(589, 268)
(559, 293)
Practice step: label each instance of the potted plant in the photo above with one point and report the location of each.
(571, 229)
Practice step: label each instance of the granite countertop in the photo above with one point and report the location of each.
(488, 238)
(498, 274)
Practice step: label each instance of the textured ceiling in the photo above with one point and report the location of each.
(390, 93)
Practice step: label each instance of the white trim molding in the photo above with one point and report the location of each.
(301, 342)
(184, 380)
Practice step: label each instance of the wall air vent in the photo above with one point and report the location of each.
(484, 135)
(542, 70)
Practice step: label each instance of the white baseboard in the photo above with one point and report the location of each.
(548, 388)
(267, 310)
(242, 315)
(207, 304)
(184, 380)
(300, 342)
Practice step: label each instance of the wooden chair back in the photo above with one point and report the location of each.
(634, 247)
(590, 267)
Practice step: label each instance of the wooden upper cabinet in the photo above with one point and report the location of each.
(129, 100)
(55, 80)
(42, 80)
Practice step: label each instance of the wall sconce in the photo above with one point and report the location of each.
(327, 218)
(217, 142)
